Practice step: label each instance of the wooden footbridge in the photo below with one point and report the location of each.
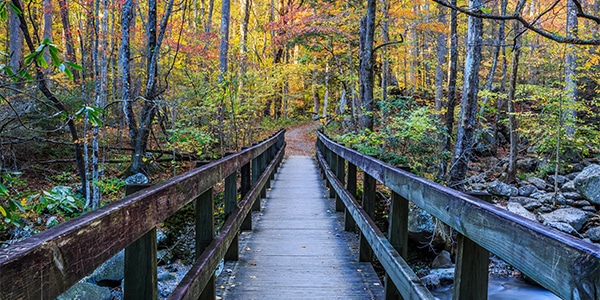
(287, 237)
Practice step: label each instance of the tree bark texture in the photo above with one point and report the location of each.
(452, 74)
(366, 72)
(468, 109)
(511, 172)
(70, 49)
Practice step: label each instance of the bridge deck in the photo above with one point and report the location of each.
(298, 248)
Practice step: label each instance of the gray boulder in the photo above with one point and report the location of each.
(572, 216)
(569, 187)
(526, 202)
(421, 225)
(572, 195)
(445, 275)
(113, 269)
(519, 210)
(564, 227)
(588, 183)
(138, 178)
(539, 183)
(87, 291)
(527, 190)
(593, 234)
(502, 189)
(528, 164)
(431, 281)
(559, 179)
(442, 260)
(553, 199)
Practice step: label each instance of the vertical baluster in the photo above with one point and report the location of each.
(205, 232)
(255, 175)
(246, 185)
(349, 224)
(333, 166)
(368, 203)
(262, 167)
(398, 236)
(140, 263)
(472, 261)
(341, 175)
(230, 200)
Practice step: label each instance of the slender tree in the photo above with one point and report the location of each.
(366, 76)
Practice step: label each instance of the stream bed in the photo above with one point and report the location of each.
(504, 289)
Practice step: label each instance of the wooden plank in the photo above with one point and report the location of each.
(202, 271)
(332, 161)
(567, 266)
(299, 250)
(246, 184)
(47, 264)
(471, 276)
(140, 264)
(230, 200)
(398, 270)
(398, 237)
(341, 175)
(349, 224)
(205, 231)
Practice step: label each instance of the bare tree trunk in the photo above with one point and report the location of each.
(468, 109)
(366, 74)
(224, 45)
(70, 49)
(441, 53)
(414, 53)
(47, 29)
(499, 101)
(511, 173)
(452, 74)
(15, 36)
(385, 61)
(245, 10)
(315, 91)
(326, 95)
(571, 68)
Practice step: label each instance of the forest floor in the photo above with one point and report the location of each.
(301, 139)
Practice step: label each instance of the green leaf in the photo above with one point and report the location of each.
(3, 189)
(54, 56)
(42, 61)
(3, 14)
(14, 205)
(30, 58)
(14, 8)
(486, 10)
(73, 65)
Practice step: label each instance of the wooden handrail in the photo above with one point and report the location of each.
(567, 266)
(47, 264)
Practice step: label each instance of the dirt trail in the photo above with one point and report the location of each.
(301, 139)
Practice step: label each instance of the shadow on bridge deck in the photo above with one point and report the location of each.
(298, 248)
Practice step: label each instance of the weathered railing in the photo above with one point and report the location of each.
(567, 266)
(47, 264)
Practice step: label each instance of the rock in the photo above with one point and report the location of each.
(593, 234)
(557, 179)
(564, 227)
(528, 164)
(537, 195)
(442, 260)
(164, 256)
(588, 183)
(86, 290)
(575, 170)
(546, 208)
(581, 203)
(445, 275)
(589, 208)
(572, 216)
(431, 282)
(112, 270)
(421, 226)
(539, 183)
(527, 190)
(161, 238)
(553, 199)
(483, 142)
(572, 195)
(568, 187)
(526, 202)
(519, 210)
(138, 178)
(502, 189)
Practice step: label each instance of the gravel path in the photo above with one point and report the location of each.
(301, 139)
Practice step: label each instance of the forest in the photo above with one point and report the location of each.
(94, 91)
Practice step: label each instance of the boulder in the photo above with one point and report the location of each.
(573, 196)
(528, 203)
(553, 199)
(431, 281)
(86, 290)
(112, 270)
(559, 179)
(581, 203)
(588, 183)
(539, 183)
(421, 226)
(502, 189)
(572, 216)
(589, 208)
(528, 164)
(138, 178)
(519, 210)
(445, 275)
(564, 227)
(593, 234)
(442, 260)
(527, 190)
(568, 187)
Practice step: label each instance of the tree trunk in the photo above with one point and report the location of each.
(468, 109)
(47, 30)
(326, 95)
(15, 36)
(441, 53)
(366, 74)
(571, 69)
(224, 45)
(511, 173)
(70, 49)
(245, 10)
(452, 74)
(315, 90)
(385, 61)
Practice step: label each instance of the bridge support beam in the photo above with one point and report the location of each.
(246, 184)
(398, 237)
(368, 203)
(349, 223)
(230, 200)
(140, 263)
(205, 230)
(341, 175)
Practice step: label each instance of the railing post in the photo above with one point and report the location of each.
(246, 185)
(255, 175)
(398, 237)
(205, 230)
(263, 166)
(341, 175)
(349, 224)
(368, 203)
(471, 275)
(140, 263)
(333, 166)
(230, 200)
